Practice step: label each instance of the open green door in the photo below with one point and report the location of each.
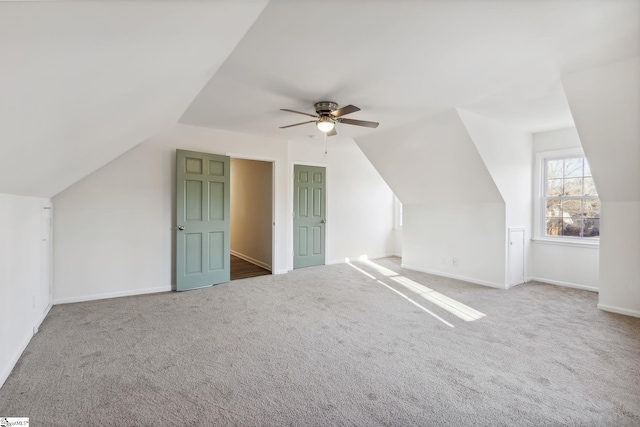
(202, 220)
(308, 216)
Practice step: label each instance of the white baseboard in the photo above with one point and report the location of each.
(12, 362)
(280, 271)
(251, 260)
(619, 310)
(39, 322)
(113, 295)
(455, 276)
(6, 371)
(565, 284)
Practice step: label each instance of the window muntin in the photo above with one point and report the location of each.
(572, 207)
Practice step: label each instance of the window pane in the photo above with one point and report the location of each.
(592, 208)
(573, 167)
(591, 227)
(554, 187)
(571, 227)
(590, 187)
(573, 187)
(554, 208)
(554, 226)
(554, 168)
(571, 211)
(571, 200)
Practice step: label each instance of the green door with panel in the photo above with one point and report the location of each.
(202, 220)
(309, 190)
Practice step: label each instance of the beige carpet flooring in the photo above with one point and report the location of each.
(333, 346)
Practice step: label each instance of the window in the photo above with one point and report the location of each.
(570, 203)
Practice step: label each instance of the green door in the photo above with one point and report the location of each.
(308, 216)
(202, 220)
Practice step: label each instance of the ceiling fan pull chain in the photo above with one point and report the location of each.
(325, 145)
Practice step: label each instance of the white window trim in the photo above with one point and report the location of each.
(538, 208)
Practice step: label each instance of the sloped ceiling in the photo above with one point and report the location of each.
(83, 82)
(431, 161)
(404, 60)
(605, 102)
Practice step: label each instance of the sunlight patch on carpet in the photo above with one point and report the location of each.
(458, 309)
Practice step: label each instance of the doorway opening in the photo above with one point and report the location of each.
(251, 217)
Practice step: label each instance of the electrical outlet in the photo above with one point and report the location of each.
(454, 261)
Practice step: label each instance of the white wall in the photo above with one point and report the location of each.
(562, 264)
(472, 233)
(252, 211)
(359, 202)
(605, 104)
(24, 300)
(620, 258)
(115, 228)
(507, 154)
(572, 266)
(452, 207)
(559, 139)
(397, 242)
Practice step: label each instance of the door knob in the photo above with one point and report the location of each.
(323, 221)
(181, 227)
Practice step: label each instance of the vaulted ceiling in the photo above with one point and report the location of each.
(83, 82)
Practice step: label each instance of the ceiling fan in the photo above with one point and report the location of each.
(328, 114)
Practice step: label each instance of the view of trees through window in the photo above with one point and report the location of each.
(572, 204)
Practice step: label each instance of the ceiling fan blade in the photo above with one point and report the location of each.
(297, 124)
(360, 123)
(299, 112)
(348, 109)
(332, 132)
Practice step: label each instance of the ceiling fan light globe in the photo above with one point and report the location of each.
(325, 124)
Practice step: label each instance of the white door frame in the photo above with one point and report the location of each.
(46, 262)
(274, 197)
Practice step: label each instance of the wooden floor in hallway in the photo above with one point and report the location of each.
(241, 269)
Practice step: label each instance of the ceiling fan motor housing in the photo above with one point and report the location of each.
(324, 108)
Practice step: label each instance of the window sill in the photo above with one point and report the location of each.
(591, 244)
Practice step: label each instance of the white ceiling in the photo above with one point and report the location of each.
(404, 60)
(83, 82)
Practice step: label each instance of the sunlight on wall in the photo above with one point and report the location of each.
(454, 307)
